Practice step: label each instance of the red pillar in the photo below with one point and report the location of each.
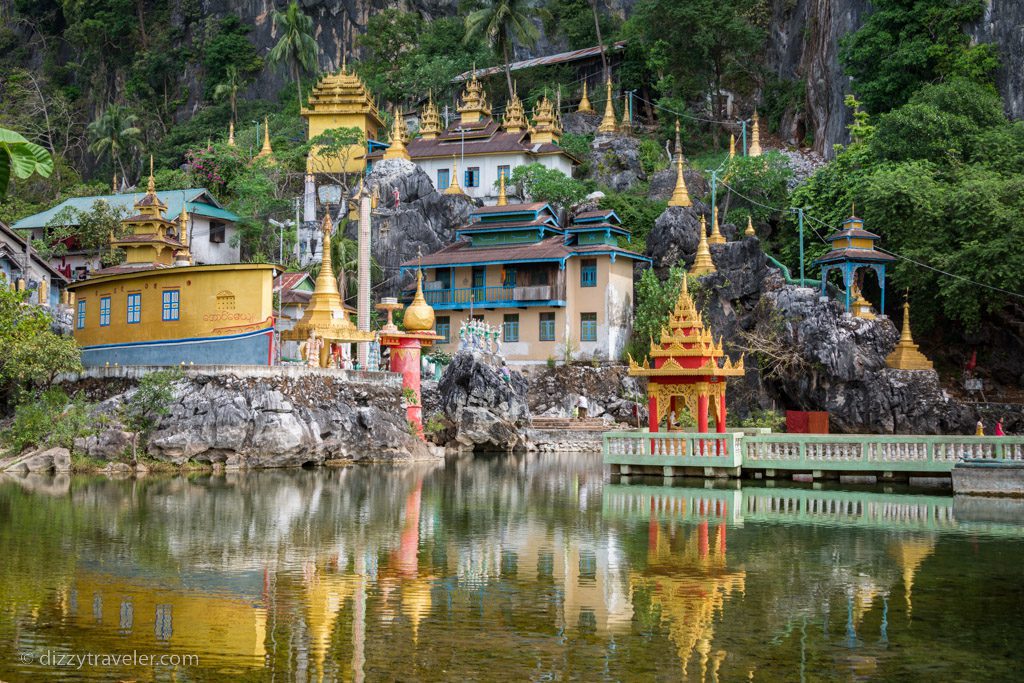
(720, 422)
(652, 412)
(702, 413)
(405, 358)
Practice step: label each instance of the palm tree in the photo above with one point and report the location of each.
(229, 88)
(296, 46)
(114, 133)
(500, 23)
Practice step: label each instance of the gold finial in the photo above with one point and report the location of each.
(853, 209)
(585, 106)
(453, 187)
(344, 62)
(749, 232)
(702, 262)
(397, 150)
(430, 120)
(113, 184)
(514, 120)
(755, 137)
(680, 196)
(266, 152)
(732, 146)
(502, 199)
(608, 121)
(151, 186)
(716, 236)
(231, 133)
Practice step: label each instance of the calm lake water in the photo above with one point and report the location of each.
(503, 568)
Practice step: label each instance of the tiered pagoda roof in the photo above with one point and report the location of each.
(342, 93)
(854, 243)
(687, 347)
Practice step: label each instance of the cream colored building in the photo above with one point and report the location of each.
(554, 292)
(472, 153)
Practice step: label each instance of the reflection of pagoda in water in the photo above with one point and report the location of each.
(690, 586)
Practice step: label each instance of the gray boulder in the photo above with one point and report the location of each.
(609, 390)
(423, 220)
(615, 161)
(284, 421)
(485, 412)
(43, 460)
(663, 182)
(675, 235)
(581, 124)
(107, 444)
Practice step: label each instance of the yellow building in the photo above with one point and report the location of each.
(158, 309)
(550, 289)
(341, 100)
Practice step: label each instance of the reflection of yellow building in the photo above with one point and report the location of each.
(341, 100)
(158, 309)
(324, 596)
(909, 554)
(160, 618)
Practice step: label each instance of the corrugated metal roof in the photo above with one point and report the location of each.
(550, 249)
(560, 58)
(197, 200)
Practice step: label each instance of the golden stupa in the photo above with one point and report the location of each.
(608, 123)
(419, 315)
(680, 197)
(906, 355)
(702, 263)
(585, 106)
(749, 232)
(266, 153)
(325, 315)
(716, 235)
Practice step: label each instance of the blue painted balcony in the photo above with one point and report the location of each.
(493, 297)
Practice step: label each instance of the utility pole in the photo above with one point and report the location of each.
(800, 222)
(714, 194)
(743, 125)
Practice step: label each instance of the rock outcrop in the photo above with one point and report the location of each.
(40, 461)
(284, 421)
(422, 220)
(663, 182)
(615, 161)
(609, 390)
(482, 410)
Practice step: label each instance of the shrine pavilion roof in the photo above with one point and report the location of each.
(854, 254)
(550, 249)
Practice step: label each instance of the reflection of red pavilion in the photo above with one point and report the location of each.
(689, 368)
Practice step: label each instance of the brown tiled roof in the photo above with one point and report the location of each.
(596, 226)
(594, 214)
(138, 218)
(552, 248)
(287, 281)
(292, 296)
(487, 126)
(447, 145)
(511, 208)
(855, 254)
(149, 200)
(127, 268)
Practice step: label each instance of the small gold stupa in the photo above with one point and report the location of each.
(419, 315)
(702, 263)
(906, 355)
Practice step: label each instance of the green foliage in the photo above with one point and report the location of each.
(781, 96)
(952, 201)
(905, 44)
(405, 56)
(576, 145)
(764, 419)
(21, 159)
(30, 353)
(47, 420)
(655, 299)
(228, 56)
(763, 179)
(150, 401)
(652, 156)
(88, 230)
(115, 134)
(439, 356)
(637, 213)
(500, 23)
(574, 20)
(410, 397)
(543, 184)
(296, 47)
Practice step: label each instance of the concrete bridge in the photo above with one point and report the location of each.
(736, 454)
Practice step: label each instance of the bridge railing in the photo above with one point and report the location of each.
(681, 449)
(874, 452)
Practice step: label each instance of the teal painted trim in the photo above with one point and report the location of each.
(623, 254)
(788, 277)
(597, 219)
(494, 262)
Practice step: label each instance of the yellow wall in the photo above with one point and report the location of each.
(861, 243)
(244, 303)
(318, 123)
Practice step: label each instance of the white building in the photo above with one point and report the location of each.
(472, 153)
(212, 233)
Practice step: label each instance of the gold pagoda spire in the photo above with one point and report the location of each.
(608, 120)
(502, 198)
(231, 133)
(585, 106)
(397, 150)
(430, 126)
(151, 185)
(545, 128)
(627, 122)
(474, 105)
(514, 120)
(266, 152)
(906, 355)
(749, 232)
(702, 263)
(113, 183)
(732, 146)
(680, 197)
(755, 137)
(453, 187)
(716, 236)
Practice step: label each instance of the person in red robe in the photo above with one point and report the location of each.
(999, 427)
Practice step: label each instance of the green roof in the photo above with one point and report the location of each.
(197, 200)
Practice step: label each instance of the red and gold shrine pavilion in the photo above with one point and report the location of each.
(689, 369)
